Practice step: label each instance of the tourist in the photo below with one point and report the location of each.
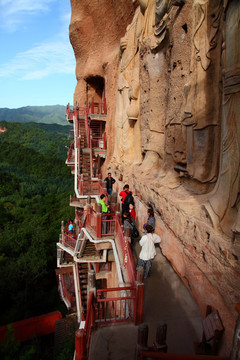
(70, 227)
(127, 198)
(110, 181)
(150, 220)
(132, 211)
(148, 250)
(128, 222)
(104, 206)
(104, 210)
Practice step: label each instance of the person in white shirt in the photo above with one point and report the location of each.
(148, 251)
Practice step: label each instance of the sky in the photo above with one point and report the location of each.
(37, 63)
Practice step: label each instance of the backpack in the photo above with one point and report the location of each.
(134, 232)
(128, 199)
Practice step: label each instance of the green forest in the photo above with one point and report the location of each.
(35, 185)
(39, 114)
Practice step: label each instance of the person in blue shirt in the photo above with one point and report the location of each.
(70, 227)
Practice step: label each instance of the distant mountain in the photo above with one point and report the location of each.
(53, 114)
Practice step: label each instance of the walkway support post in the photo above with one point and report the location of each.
(99, 221)
(139, 296)
(142, 340)
(161, 336)
(91, 288)
(80, 345)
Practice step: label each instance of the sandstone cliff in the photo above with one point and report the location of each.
(170, 74)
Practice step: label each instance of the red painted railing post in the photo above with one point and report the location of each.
(139, 296)
(99, 222)
(81, 184)
(80, 345)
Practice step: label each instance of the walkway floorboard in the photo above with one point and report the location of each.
(166, 298)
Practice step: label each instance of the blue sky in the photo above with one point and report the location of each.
(37, 64)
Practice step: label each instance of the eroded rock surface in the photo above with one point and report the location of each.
(170, 73)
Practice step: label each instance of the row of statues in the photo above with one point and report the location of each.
(182, 115)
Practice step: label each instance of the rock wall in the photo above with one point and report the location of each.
(172, 84)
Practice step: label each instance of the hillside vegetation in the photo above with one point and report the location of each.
(35, 185)
(38, 114)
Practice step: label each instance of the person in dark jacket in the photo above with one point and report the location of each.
(110, 181)
(150, 220)
(127, 198)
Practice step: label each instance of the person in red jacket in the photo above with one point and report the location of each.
(127, 199)
(132, 211)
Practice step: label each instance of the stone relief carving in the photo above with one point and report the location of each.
(209, 108)
(203, 98)
(127, 103)
(223, 205)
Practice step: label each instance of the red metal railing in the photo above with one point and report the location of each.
(107, 224)
(69, 112)
(93, 132)
(97, 108)
(83, 336)
(68, 287)
(91, 219)
(80, 295)
(98, 135)
(101, 224)
(88, 187)
(70, 157)
(115, 305)
(127, 256)
(90, 319)
(69, 239)
(102, 188)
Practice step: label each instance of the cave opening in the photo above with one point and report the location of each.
(95, 89)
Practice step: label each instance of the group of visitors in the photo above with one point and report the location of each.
(149, 239)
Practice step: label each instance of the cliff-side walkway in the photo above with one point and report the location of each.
(166, 298)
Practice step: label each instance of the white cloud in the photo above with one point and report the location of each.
(51, 56)
(14, 12)
(48, 58)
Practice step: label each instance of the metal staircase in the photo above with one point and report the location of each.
(83, 279)
(84, 156)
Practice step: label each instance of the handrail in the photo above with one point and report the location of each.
(127, 256)
(70, 151)
(76, 170)
(101, 107)
(66, 293)
(90, 319)
(69, 239)
(112, 242)
(112, 308)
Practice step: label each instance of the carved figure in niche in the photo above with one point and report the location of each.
(155, 76)
(127, 88)
(224, 205)
(127, 102)
(203, 97)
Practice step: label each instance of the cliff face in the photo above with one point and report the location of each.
(170, 74)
